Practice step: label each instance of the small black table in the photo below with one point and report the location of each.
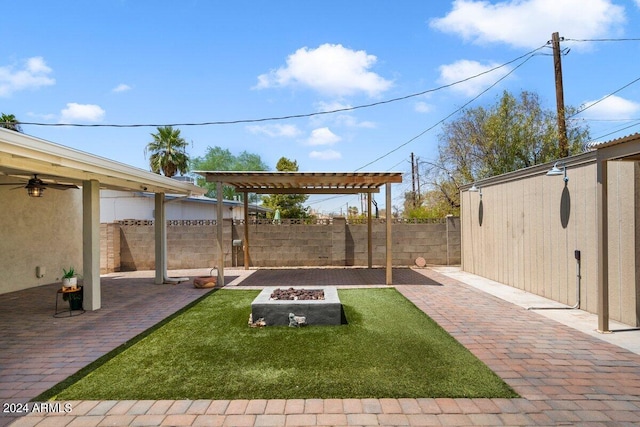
(69, 292)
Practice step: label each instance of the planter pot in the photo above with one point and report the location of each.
(70, 282)
(74, 298)
(75, 302)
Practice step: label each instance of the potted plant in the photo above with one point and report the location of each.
(70, 283)
(69, 278)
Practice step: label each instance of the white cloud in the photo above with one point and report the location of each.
(334, 105)
(81, 113)
(339, 119)
(323, 136)
(612, 107)
(422, 107)
(352, 122)
(330, 69)
(325, 155)
(275, 131)
(121, 88)
(32, 75)
(464, 69)
(529, 23)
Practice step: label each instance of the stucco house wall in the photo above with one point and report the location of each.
(38, 231)
(525, 228)
(122, 205)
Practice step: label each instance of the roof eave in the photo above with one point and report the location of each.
(33, 155)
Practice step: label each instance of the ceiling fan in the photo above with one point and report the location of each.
(35, 187)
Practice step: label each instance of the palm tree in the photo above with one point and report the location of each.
(9, 121)
(167, 152)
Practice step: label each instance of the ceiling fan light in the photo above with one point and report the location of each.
(34, 191)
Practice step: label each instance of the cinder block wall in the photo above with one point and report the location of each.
(192, 244)
(109, 248)
(137, 248)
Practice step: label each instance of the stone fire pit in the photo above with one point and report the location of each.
(327, 311)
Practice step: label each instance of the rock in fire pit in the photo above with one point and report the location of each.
(292, 294)
(275, 312)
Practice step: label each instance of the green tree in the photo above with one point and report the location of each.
(432, 204)
(168, 152)
(289, 205)
(513, 133)
(221, 159)
(9, 121)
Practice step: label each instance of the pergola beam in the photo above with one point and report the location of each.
(304, 179)
(307, 190)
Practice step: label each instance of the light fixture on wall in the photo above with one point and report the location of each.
(475, 189)
(555, 170)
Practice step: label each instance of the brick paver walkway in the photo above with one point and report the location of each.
(565, 377)
(37, 350)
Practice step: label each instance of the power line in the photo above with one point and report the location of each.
(603, 40)
(531, 55)
(610, 120)
(603, 98)
(287, 117)
(614, 132)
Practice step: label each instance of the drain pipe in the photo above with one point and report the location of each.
(578, 277)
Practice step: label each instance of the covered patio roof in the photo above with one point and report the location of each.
(261, 182)
(22, 156)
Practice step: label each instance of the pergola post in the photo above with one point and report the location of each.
(245, 244)
(220, 229)
(369, 233)
(389, 243)
(160, 225)
(603, 246)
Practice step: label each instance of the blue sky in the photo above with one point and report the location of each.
(164, 62)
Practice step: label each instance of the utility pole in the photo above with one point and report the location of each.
(413, 179)
(418, 180)
(563, 143)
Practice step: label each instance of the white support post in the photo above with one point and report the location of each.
(91, 245)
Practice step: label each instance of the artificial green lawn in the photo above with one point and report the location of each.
(389, 349)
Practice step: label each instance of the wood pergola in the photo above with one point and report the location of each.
(304, 183)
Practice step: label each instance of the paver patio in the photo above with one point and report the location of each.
(564, 376)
